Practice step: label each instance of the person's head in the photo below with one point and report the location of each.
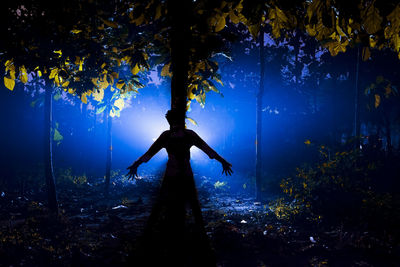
(175, 118)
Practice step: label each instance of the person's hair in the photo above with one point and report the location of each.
(175, 117)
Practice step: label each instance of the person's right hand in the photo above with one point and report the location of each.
(133, 171)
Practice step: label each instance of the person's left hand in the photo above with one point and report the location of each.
(226, 168)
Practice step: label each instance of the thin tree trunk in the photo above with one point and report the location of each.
(388, 136)
(93, 143)
(48, 151)
(259, 120)
(357, 123)
(109, 149)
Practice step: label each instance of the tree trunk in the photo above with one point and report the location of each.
(259, 120)
(180, 39)
(357, 123)
(388, 136)
(48, 151)
(109, 149)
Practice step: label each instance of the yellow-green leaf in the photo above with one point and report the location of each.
(366, 54)
(59, 52)
(57, 136)
(119, 103)
(388, 90)
(233, 17)
(220, 24)
(377, 100)
(84, 98)
(192, 121)
(120, 84)
(254, 29)
(278, 20)
(23, 74)
(311, 30)
(372, 21)
(307, 142)
(98, 94)
(53, 73)
(65, 84)
(75, 31)
(135, 70)
(111, 24)
(9, 83)
(218, 81)
(165, 70)
(158, 12)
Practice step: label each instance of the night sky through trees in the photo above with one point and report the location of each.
(301, 97)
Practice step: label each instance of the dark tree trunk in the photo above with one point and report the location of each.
(180, 39)
(48, 151)
(83, 136)
(388, 136)
(357, 123)
(259, 120)
(109, 149)
(93, 143)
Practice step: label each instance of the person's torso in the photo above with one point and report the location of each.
(178, 146)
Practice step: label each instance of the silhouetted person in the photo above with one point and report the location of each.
(177, 189)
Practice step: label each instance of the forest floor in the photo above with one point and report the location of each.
(93, 230)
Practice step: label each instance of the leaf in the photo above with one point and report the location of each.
(84, 98)
(254, 29)
(57, 136)
(218, 81)
(335, 47)
(57, 96)
(233, 17)
(388, 90)
(119, 103)
(377, 100)
(372, 21)
(380, 79)
(114, 113)
(65, 84)
(311, 30)
(278, 21)
(313, 9)
(109, 23)
(366, 54)
(135, 70)
(75, 31)
(9, 83)
(192, 121)
(53, 73)
(59, 52)
(138, 21)
(219, 184)
(98, 94)
(81, 64)
(220, 24)
(165, 70)
(307, 142)
(120, 84)
(101, 109)
(158, 12)
(23, 74)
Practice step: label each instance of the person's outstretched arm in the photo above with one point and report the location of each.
(200, 143)
(155, 147)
